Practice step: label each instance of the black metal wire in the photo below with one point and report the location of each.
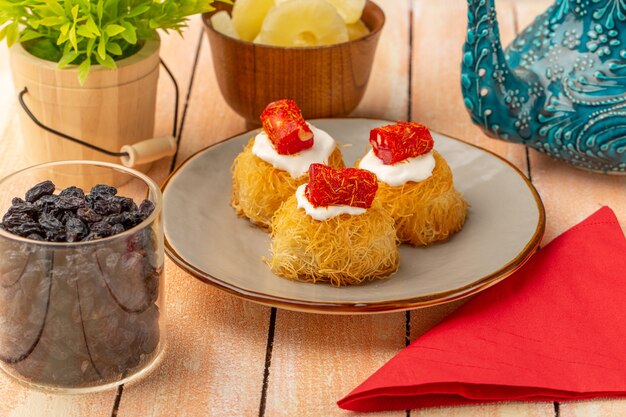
(89, 145)
(175, 127)
(61, 134)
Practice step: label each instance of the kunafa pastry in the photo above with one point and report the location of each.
(415, 183)
(333, 230)
(275, 162)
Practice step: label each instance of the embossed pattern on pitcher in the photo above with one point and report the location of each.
(560, 87)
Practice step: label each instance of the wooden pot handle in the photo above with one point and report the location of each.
(148, 151)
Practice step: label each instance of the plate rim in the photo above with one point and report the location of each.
(386, 306)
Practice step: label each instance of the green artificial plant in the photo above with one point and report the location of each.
(86, 32)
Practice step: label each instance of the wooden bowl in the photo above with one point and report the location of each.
(325, 81)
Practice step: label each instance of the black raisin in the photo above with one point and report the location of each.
(103, 191)
(70, 203)
(146, 208)
(140, 240)
(57, 213)
(101, 229)
(72, 216)
(49, 222)
(26, 208)
(131, 219)
(66, 216)
(106, 207)
(47, 202)
(88, 215)
(117, 228)
(114, 219)
(16, 219)
(39, 190)
(75, 230)
(89, 200)
(72, 192)
(55, 235)
(26, 229)
(127, 204)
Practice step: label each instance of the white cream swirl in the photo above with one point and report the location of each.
(298, 164)
(411, 169)
(324, 213)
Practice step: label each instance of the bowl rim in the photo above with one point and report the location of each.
(152, 186)
(373, 33)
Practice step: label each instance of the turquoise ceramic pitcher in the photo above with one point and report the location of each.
(560, 87)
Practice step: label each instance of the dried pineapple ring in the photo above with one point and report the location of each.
(248, 17)
(222, 22)
(357, 30)
(350, 10)
(303, 23)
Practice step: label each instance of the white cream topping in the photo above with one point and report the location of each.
(298, 164)
(411, 169)
(324, 213)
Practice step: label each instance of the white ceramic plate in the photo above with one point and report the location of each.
(504, 227)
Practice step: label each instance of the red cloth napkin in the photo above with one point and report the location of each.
(555, 330)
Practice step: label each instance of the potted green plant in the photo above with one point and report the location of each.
(90, 68)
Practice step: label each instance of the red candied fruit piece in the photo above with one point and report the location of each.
(337, 187)
(283, 122)
(395, 143)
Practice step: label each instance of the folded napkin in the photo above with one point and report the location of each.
(555, 330)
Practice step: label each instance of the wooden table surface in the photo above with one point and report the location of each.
(229, 357)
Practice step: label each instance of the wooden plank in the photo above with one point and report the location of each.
(594, 408)
(20, 401)
(498, 410)
(11, 149)
(316, 358)
(570, 195)
(437, 102)
(209, 118)
(6, 87)
(215, 356)
(388, 88)
(178, 53)
(215, 360)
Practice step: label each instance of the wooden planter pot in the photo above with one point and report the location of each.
(115, 107)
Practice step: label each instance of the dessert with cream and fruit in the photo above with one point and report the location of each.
(276, 161)
(415, 183)
(333, 230)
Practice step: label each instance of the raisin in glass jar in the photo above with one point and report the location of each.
(85, 315)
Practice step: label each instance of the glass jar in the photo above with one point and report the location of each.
(85, 316)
